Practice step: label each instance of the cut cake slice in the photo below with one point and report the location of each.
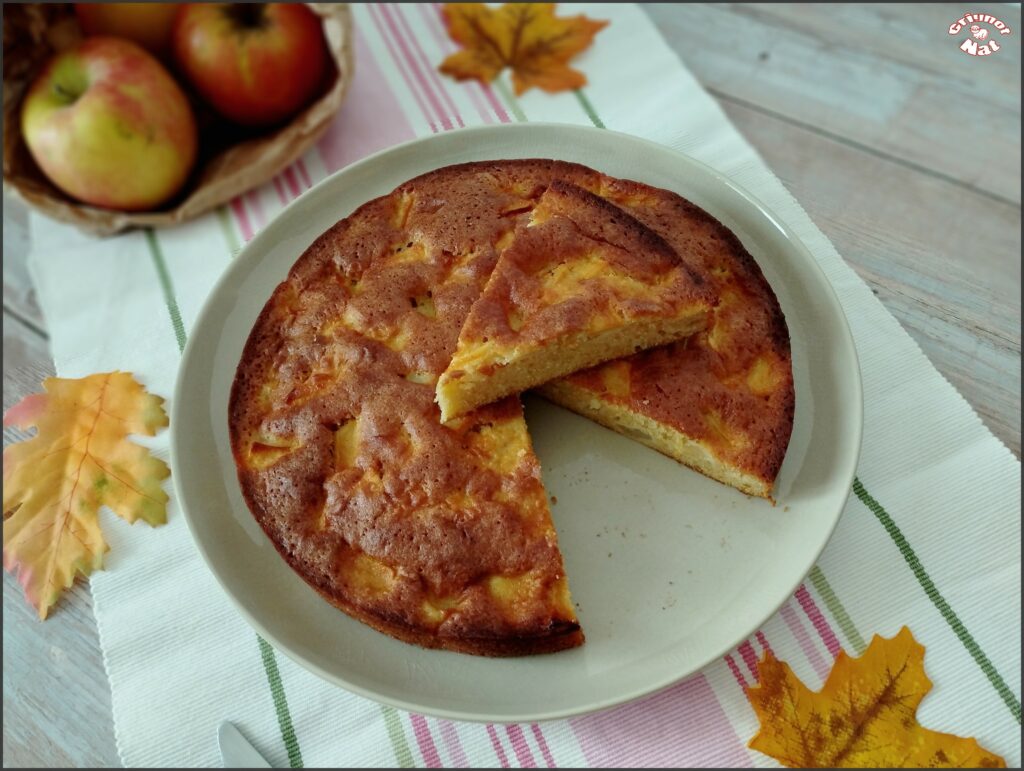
(722, 401)
(579, 282)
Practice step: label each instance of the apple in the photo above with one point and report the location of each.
(148, 24)
(255, 64)
(109, 126)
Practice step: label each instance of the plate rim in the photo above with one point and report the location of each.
(254, 247)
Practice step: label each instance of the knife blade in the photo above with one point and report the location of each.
(235, 749)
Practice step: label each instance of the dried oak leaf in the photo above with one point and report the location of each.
(864, 717)
(524, 36)
(79, 459)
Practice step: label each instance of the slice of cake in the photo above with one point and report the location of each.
(721, 402)
(578, 282)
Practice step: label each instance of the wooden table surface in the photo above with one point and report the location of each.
(903, 150)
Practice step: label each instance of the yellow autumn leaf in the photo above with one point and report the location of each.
(865, 716)
(79, 459)
(527, 37)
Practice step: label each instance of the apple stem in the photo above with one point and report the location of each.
(247, 15)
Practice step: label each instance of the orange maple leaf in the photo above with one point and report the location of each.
(524, 36)
(79, 459)
(865, 716)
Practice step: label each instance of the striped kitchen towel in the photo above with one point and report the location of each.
(936, 503)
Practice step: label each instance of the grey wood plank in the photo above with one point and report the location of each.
(24, 346)
(943, 259)
(57, 709)
(56, 696)
(885, 77)
(19, 294)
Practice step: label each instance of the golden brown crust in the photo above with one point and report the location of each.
(560, 636)
(581, 225)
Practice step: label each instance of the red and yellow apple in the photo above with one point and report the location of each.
(148, 24)
(109, 126)
(255, 64)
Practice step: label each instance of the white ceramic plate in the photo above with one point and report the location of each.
(670, 570)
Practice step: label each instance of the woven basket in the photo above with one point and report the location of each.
(231, 159)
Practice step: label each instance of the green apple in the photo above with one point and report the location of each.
(109, 126)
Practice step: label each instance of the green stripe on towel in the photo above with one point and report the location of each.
(509, 99)
(284, 717)
(397, 736)
(588, 108)
(835, 607)
(939, 601)
(168, 288)
(228, 231)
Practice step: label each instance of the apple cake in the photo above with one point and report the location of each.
(440, 533)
